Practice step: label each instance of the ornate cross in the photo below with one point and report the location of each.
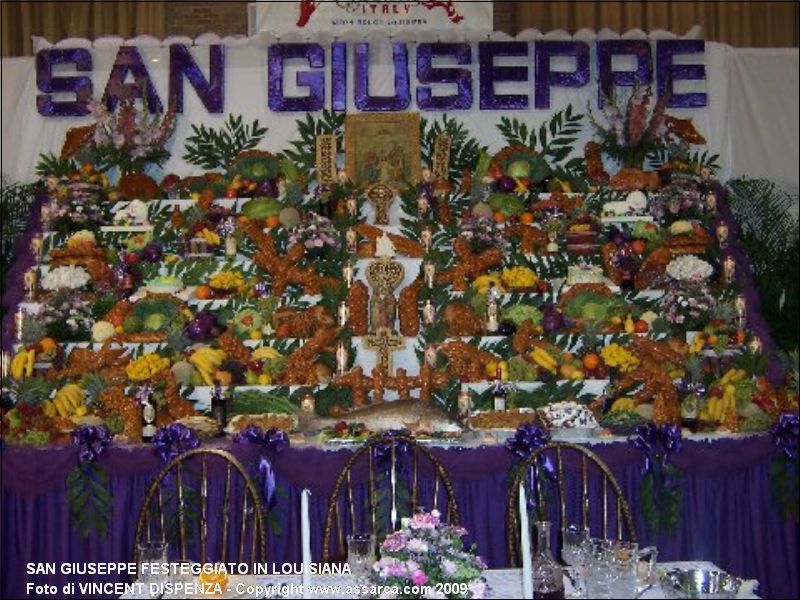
(385, 342)
(326, 158)
(441, 158)
(357, 381)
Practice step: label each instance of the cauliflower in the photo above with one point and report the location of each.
(101, 331)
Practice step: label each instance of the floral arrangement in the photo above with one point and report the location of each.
(316, 234)
(483, 234)
(681, 199)
(77, 207)
(426, 552)
(67, 317)
(690, 268)
(131, 138)
(69, 277)
(686, 304)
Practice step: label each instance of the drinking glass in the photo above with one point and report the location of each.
(613, 569)
(574, 554)
(154, 551)
(360, 555)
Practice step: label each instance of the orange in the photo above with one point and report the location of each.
(203, 292)
(213, 578)
(244, 220)
(273, 221)
(591, 361)
(526, 218)
(47, 344)
(499, 217)
(224, 378)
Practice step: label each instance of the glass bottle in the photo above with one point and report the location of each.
(148, 418)
(219, 406)
(548, 576)
(499, 392)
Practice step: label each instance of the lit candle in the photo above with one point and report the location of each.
(352, 206)
(741, 308)
(351, 237)
(426, 237)
(46, 217)
(341, 358)
(19, 324)
(729, 269)
(431, 356)
(307, 404)
(422, 206)
(37, 246)
(492, 324)
(525, 544)
(711, 202)
(755, 346)
(305, 542)
(464, 402)
(344, 314)
(29, 280)
(426, 175)
(347, 273)
(428, 313)
(341, 175)
(429, 269)
(5, 365)
(722, 235)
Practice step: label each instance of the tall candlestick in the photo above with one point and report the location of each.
(5, 365)
(729, 269)
(431, 356)
(722, 235)
(426, 237)
(422, 206)
(741, 309)
(29, 281)
(352, 206)
(19, 324)
(429, 313)
(341, 358)
(351, 237)
(525, 545)
(305, 542)
(344, 314)
(711, 202)
(755, 346)
(464, 402)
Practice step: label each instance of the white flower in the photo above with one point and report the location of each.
(66, 278)
(134, 213)
(689, 268)
(417, 546)
(478, 588)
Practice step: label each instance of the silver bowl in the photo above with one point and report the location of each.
(699, 583)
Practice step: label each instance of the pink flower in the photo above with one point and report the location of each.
(419, 578)
(394, 542)
(637, 114)
(449, 567)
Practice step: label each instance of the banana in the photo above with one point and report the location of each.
(18, 364)
(30, 358)
(48, 408)
(266, 353)
(544, 360)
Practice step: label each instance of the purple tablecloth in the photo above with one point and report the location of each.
(727, 515)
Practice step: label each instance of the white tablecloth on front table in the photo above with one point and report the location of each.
(503, 583)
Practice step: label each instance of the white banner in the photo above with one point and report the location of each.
(339, 18)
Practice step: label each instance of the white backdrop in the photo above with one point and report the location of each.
(751, 119)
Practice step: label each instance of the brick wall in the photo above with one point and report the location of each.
(226, 18)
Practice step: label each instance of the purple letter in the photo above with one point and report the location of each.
(339, 76)
(609, 79)
(80, 86)
(427, 73)
(668, 72)
(130, 61)
(211, 91)
(314, 81)
(402, 92)
(489, 74)
(545, 78)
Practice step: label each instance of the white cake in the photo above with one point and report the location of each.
(577, 274)
(568, 415)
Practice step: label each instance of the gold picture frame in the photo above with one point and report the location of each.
(383, 148)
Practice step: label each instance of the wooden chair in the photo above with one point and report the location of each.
(389, 485)
(171, 506)
(589, 464)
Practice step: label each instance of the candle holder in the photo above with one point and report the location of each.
(755, 346)
(426, 237)
(308, 404)
(722, 235)
(492, 317)
(431, 356)
(37, 248)
(5, 366)
(352, 206)
(422, 206)
(728, 270)
(29, 280)
(341, 358)
(347, 273)
(429, 271)
(740, 304)
(344, 314)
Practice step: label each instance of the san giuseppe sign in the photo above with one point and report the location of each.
(279, 18)
(448, 76)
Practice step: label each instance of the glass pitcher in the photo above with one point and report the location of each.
(548, 576)
(613, 569)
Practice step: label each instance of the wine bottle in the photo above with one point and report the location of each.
(219, 406)
(548, 576)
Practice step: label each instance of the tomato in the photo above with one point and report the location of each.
(641, 326)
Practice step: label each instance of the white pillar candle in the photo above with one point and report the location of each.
(525, 545)
(305, 539)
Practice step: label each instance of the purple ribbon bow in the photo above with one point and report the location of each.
(92, 440)
(658, 445)
(173, 440)
(786, 433)
(274, 440)
(528, 438)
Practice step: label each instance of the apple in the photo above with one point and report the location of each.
(641, 326)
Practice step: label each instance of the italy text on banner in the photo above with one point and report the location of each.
(279, 18)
